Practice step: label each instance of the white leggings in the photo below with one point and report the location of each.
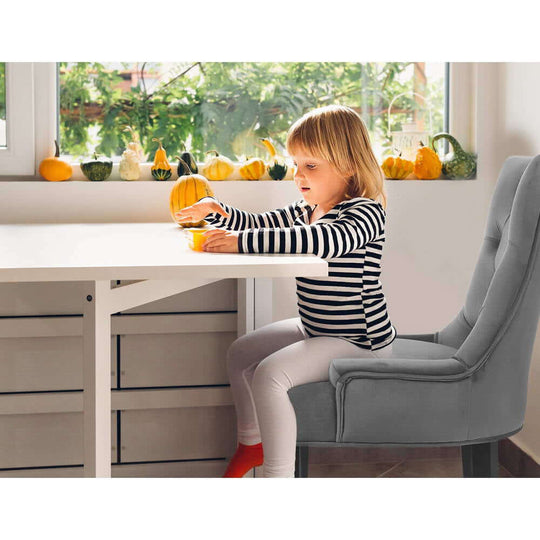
(263, 365)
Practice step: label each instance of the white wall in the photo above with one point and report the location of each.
(434, 228)
(518, 133)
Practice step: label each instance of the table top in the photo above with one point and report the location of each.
(130, 251)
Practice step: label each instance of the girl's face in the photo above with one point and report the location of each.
(318, 180)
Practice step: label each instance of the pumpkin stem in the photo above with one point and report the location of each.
(215, 151)
(158, 141)
(95, 155)
(184, 163)
(134, 135)
(57, 152)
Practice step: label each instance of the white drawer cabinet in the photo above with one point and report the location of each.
(172, 413)
(44, 440)
(172, 434)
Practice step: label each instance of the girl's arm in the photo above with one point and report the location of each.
(239, 220)
(355, 226)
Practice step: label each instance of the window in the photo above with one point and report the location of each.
(229, 106)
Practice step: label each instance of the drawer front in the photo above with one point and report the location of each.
(67, 298)
(51, 298)
(174, 359)
(44, 440)
(185, 469)
(218, 296)
(183, 433)
(30, 364)
(53, 472)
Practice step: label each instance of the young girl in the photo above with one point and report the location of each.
(342, 315)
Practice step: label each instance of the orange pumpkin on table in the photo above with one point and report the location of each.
(186, 191)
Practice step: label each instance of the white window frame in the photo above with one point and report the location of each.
(19, 155)
(31, 104)
(462, 103)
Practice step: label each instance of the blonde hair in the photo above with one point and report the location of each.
(337, 134)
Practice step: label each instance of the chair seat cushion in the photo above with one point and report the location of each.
(401, 349)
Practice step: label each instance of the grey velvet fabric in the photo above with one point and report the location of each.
(467, 381)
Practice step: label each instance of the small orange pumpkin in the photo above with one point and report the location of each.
(396, 167)
(54, 169)
(253, 168)
(427, 165)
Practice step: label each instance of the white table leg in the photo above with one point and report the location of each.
(97, 380)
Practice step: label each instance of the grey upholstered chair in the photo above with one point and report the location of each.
(464, 385)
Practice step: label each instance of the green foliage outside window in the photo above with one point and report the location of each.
(228, 106)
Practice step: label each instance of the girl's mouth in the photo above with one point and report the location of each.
(304, 189)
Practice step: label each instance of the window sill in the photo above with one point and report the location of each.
(146, 174)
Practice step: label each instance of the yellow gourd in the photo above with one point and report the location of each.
(427, 165)
(217, 167)
(187, 190)
(54, 169)
(397, 168)
(276, 166)
(253, 169)
(161, 169)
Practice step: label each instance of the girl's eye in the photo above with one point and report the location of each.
(310, 166)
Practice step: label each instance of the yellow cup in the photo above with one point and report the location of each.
(196, 239)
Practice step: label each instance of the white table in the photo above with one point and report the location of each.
(155, 254)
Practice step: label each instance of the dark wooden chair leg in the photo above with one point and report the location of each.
(301, 463)
(480, 460)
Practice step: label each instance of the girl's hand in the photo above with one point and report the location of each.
(221, 241)
(198, 211)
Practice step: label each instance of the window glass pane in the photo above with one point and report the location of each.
(3, 134)
(229, 106)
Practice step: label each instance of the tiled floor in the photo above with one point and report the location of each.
(397, 462)
(412, 468)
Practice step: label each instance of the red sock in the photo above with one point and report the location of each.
(245, 458)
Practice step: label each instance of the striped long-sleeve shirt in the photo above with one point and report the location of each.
(349, 303)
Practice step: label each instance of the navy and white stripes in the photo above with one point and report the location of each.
(349, 303)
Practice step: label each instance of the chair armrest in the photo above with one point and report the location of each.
(431, 338)
(441, 369)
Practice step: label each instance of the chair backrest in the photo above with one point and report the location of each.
(505, 286)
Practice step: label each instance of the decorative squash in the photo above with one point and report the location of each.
(161, 169)
(277, 168)
(217, 167)
(131, 157)
(186, 159)
(427, 165)
(187, 190)
(397, 168)
(54, 169)
(458, 163)
(97, 169)
(135, 143)
(253, 169)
